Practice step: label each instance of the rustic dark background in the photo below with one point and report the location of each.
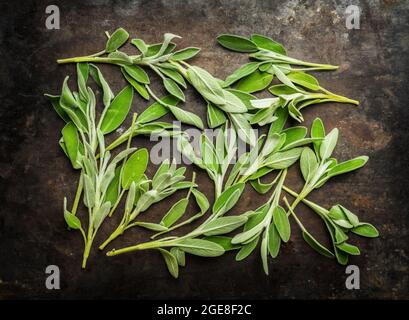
(35, 175)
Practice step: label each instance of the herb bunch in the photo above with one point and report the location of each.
(233, 109)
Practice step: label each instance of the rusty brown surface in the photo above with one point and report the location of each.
(35, 175)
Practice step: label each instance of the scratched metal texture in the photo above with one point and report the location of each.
(35, 175)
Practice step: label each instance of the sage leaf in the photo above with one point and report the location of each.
(136, 85)
(223, 225)
(134, 168)
(241, 72)
(268, 44)
(232, 103)
(282, 90)
(151, 226)
(171, 262)
(316, 245)
(186, 117)
(328, 144)
(185, 54)
(366, 230)
(201, 200)
(349, 248)
(206, 85)
(294, 134)
(247, 249)
(153, 49)
(274, 241)
(199, 247)
(137, 73)
(141, 45)
(305, 80)
(67, 99)
(89, 190)
(308, 164)
(245, 97)
(254, 82)
(236, 43)
(101, 213)
(228, 199)
(157, 110)
(260, 187)
(179, 255)
(117, 111)
(172, 87)
(215, 116)
(347, 166)
(130, 199)
(55, 101)
(264, 252)
(82, 78)
(116, 40)
(317, 131)
(72, 221)
(352, 218)
(243, 128)
(96, 74)
(112, 192)
(174, 75)
(281, 223)
(282, 160)
(71, 144)
(175, 213)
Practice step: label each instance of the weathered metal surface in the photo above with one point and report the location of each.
(35, 175)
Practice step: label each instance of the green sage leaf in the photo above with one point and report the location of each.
(116, 40)
(254, 82)
(185, 54)
(316, 245)
(134, 168)
(268, 44)
(171, 262)
(117, 111)
(281, 223)
(175, 213)
(365, 229)
(137, 73)
(172, 87)
(236, 43)
(199, 247)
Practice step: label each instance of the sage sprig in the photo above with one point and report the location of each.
(173, 70)
(202, 241)
(270, 223)
(298, 89)
(214, 158)
(144, 193)
(339, 221)
(82, 136)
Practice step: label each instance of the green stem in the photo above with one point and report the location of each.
(142, 246)
(119, 230)
(116, 203)
(339, 98)
(309, 203)
(291, 210)
(78, 194)
(88, 59)
(87, 250)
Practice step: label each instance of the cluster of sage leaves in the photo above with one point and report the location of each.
(233, 109)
